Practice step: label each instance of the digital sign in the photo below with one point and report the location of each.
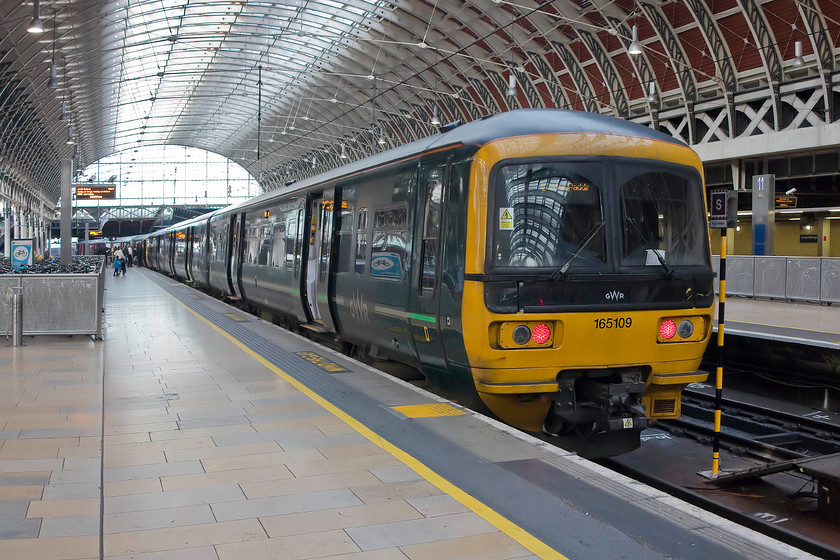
(96, 191)
(785, 201)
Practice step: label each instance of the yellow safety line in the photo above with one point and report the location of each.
(484, 511)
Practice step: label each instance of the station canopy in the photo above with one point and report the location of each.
(284, 88)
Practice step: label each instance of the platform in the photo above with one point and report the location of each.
(195, 431)
(807, 324)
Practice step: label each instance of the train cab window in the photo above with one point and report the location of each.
(662, 216)
(548, 215)
(434, 180)
(389, 243)
(361, 240)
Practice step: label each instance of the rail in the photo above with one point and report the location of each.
(815, 279)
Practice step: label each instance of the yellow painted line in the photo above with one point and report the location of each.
(487, 513)
(428, 410)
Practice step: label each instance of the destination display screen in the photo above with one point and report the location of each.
(96, 192)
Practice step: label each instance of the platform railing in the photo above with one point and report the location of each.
(54, 303)
(815, 279)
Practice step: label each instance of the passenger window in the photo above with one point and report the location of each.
(389, 244)
(361, 241)
(278, 247)
(434, 180)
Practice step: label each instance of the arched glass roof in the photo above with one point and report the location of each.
(277, 85)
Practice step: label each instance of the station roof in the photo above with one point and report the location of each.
(282, 88)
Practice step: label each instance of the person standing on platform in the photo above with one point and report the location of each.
(129, 257)
(118, 254)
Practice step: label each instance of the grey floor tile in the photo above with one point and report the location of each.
(323, 441)
(71, 491)
(153, 471)
(213, 422)
(24, 480)
(173, 498)
(419, 531)
(269, 435)
(70, 526)
(157, 519)
(11, 509)
(20, 528)
(400, 473)
(279, 505)
(79, 476)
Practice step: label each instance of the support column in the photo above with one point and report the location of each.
(7, 227)
(823, 237)
(764, 214)
(18, 222)
(66, 212)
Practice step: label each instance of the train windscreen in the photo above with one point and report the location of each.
(663, 218)
(548, 215)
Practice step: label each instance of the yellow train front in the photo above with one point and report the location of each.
(588, 289)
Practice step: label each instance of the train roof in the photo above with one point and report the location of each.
(518, 122)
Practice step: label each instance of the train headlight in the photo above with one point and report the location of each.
(667, 329)
(521, 335)
(685, 328)
(682, 329)
(515, 335)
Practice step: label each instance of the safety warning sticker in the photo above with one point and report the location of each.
(505, 218)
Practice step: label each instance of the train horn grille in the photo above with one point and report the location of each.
(663, 407)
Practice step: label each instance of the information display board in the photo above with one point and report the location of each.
(96, 191)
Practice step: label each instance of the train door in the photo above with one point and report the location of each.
(424, 301)
(234, 255)
(317, 270)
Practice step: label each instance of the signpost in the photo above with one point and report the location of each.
(723, 210)
(22, 253)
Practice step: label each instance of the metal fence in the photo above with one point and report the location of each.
(54, 303)
(814, 279)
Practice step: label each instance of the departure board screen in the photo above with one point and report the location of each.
(96, 192)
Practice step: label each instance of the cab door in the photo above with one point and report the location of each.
(424, 299)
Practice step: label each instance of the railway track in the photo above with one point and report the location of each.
(751, 434)
(760, 431)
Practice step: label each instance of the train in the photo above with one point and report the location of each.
(551, 267)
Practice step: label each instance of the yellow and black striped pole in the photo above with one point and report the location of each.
(719, 369)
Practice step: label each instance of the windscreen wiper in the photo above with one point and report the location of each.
(662, 262)
(589, 236)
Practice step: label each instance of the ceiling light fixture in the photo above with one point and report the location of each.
(37, 26)
(343, 152)
(635, 47)
(798, 60)
(511, 91)
(435, 118)
(651, 96)
(70, 139)
(53, 82)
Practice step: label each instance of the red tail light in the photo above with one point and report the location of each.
(667, 329)
(541, 333)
